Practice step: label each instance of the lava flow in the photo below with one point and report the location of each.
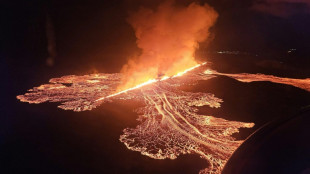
(245, 77)
(151, 81)
(170, 125)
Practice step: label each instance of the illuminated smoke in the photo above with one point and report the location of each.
(168, 38)
(170, 124)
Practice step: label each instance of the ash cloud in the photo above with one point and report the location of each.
(168, 37)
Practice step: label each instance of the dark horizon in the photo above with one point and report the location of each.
(96, 33)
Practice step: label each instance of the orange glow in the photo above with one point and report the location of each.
(187, 70)
(168, 38)
(245, 77)
(152, 81)
(170, 124)
(129, 89)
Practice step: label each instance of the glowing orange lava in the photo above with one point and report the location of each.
(245, 77)
(169, 122)
(152, 81)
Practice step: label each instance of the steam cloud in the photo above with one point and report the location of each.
(168, 38)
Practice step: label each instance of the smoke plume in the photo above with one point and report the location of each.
(168, 38)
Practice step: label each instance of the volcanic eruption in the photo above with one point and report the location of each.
(168, 38)
(169, 121)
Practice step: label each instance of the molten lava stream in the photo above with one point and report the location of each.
(152, 81)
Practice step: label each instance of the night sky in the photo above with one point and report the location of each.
(267, 36)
